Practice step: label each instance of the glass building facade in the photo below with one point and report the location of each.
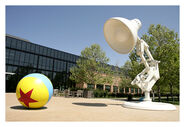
(22, 54)
(24, 57)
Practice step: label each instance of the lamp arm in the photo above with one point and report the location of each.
(147, 78)
(142, 47)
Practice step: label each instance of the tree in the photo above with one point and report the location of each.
(92, 67)
(164, 46)
(128, 73)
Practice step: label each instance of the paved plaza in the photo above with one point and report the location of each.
(83, 109)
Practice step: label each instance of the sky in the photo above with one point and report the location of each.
(73, 28)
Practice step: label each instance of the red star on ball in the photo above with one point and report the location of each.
(25, 97)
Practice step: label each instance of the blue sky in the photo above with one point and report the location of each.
(73, 28)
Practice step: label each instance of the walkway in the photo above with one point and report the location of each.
(83, 109)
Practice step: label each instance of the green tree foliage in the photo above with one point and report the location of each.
(128, 73)
(91, 66)
(164, 46)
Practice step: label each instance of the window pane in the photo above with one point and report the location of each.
(51, 64)
(99, 86)
(37, 49)
(19, 44)
(44, 63)
(22, 55)
(16, 59)
(58, 55)
(44, 51)
(90, 86)
(8, 41)
(11, 56)
(31, 60)
(23, 45)
(26, 59)
(52, 53)
(32, 48)
(28, 46)
(14, 69)
(13, 45)
(56, 52)
(9, 69)
(35, 60)
(7, 55)
(115, 89)
(107, 88)
(132, 90)
(49, 52)
(41, 50)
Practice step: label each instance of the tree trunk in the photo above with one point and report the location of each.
(171, 91)
(159, 93)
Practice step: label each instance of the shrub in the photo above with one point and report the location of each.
(100, 93)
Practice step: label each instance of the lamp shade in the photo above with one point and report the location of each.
(121, 34)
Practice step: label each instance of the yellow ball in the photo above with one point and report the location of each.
(32, 91)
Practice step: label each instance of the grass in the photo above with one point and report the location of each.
(175, 102)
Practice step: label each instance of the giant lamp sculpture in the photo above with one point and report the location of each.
(121, 35)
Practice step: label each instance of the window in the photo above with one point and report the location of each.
(115, 89)
(50, 64)
(40, 49)
(56, 53)
(37, 49)
(66, 56)
(52, 53)
(16, 58)
(61, 55)
(55, 65)
(127, 90)
(107, 88)
(44, 63)
(99, 86)
(32, 48)
(22, 55)
(11, 68)
(136, 90)
(132, 90)
(27, 59)
(23, 45)
(69, 65)
(44, 51)
(8, 68)
(19, 44)
(7, 55)
(90, 86)
(31, 60)
(14, 69)
(8, 41)
(13, 44)
(35, 61)
(28, 46)
(11, 56)
(49, 52)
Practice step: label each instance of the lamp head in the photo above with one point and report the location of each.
(121, 34)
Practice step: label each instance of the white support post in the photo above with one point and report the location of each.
(148, 77)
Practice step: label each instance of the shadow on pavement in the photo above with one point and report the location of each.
(91, 104)
(115, 104)
(124, 99)
(19, 107)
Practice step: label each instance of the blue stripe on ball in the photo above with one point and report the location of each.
(45, 80)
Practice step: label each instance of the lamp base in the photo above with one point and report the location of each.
(148, 105)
